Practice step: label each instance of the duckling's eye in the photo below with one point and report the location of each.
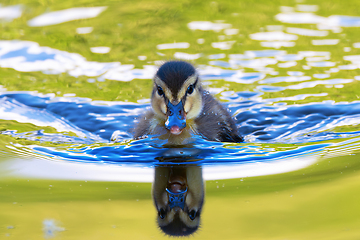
(190, 89)
(162, 213)
(192, 214)
(160, 91)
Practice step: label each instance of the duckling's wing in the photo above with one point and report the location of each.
(215, 122)
(142, 128)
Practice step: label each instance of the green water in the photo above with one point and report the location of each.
(318, 202)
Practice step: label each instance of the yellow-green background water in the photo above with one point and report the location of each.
(318, 202)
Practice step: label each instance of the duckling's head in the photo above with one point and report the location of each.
(176, 96)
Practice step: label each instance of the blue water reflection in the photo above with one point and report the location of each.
(304, 128)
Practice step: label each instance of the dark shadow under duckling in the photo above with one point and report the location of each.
(181, 107)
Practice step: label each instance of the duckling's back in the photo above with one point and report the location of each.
(215, 122)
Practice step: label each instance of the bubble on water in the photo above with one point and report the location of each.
(71, 14)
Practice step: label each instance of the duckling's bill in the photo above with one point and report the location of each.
(176, 118)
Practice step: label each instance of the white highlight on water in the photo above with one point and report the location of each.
(173, 45)
(325, 42)
(277, 44)
(66, 15)
(300, 18)
(84, 30)
(187, 56)
(356, 45)
(142, 58)
(100, 50)
(9, 13)
(200, 41)
(321, 75)
(307, 8)
(208, 26)
(273, 36)
(286, 9)
(223, 45)
(45, 169)
(231, 31)
(307, 32)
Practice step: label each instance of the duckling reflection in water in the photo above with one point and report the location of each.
(178, 194)
(181, 107)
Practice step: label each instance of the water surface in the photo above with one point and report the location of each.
(72, 88)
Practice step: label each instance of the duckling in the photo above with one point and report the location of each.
(178, 194)
(181, 108)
